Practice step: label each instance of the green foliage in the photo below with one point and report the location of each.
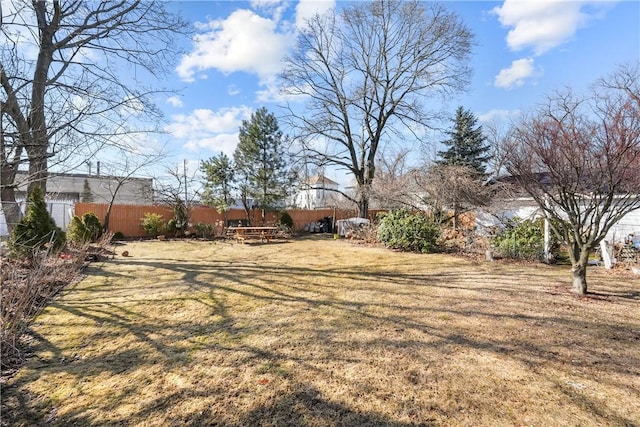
(179, 223)
(409, 231)
(87, 194)
(85, 229)
(466, 144)
(261, 161)
(76, 231)
(218, 183)
(118, 235)
(286, 220)
(37, 229)
(152, 224)
(92, 223)
(204, 230)
(523, 239)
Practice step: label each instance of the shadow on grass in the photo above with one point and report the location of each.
(408, 325)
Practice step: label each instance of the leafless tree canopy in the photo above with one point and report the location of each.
(579, 158)
(366, 75)
(453, 187)
(70, 74)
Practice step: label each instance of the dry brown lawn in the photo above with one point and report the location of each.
(317, 332)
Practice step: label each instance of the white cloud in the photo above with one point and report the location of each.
(516, 74)
(233, 90)
(307, 8)
(214, 130)
(546, 24)
(498, 116)
(244, 41)
(174, 101)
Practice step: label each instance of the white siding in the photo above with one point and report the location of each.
(61, 211)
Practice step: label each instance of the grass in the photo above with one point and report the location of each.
(320, 332)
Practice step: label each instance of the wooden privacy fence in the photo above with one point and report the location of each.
(126, 218)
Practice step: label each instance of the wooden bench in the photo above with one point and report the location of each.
(264, 234)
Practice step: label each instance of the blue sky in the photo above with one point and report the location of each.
(525, 49)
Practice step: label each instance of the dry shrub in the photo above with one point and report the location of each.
(27, 285)
(26, 288)
(363, 233)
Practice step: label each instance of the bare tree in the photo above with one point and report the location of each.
(366, 75)
(395, 184)
(497, 136)
(579, 158)
(70, 73)
(454, 187)
(177, 190)
(123, 172)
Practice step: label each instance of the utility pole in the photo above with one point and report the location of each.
(185, 181)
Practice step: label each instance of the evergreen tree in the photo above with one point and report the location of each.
(87, 194)
(466, 144)
(261, 161)
(37, 229)
(218, 183)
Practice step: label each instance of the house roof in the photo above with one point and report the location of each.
(320, 179)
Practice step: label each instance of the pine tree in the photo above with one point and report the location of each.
(218, 183)
(261, 162)
(87, 194)
(37, 229)
(466, 144)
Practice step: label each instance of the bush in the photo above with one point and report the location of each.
(87, 229)
(37, 229)
(152, 224)
(180, 222)
(92, 223)
(286, 220)
(523, 239)
(77, 232)
(408, 231)
(26, 289)
(204, 230)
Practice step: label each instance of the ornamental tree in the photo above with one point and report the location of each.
(579, 158)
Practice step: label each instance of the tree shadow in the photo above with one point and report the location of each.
(407, 327)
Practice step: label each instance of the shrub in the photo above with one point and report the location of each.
(523, 239)
(408, 231)
(77, 232)
(204, 230)
(37, 229)
(286, 220)
(180, 222)
(92, 223)
(118, 235)
(26, 289)
(87, 229)
(152, 224)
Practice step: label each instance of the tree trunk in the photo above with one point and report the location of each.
(579, 279)
(10, 208)
(579, 255)
(107, 216)
(363, 206)
(456, 213)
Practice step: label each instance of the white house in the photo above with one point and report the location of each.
(317, 192)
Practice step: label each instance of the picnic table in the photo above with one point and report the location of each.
(264, 234)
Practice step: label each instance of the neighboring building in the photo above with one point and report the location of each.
(317, 192)
(518, 204)
(65, 189)
(93, 188)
